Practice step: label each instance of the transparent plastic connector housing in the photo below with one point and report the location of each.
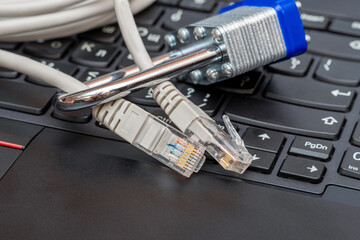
(228, 151)
(170, 146)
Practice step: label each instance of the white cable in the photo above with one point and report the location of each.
(131, 36)
(54, 19)
(83, 13)
(166, 94)
(61, 31)
(30, 8)
(40, 71)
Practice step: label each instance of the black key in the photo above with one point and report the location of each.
(355, 137)
(338, 72)
(8, 46)
(161, 115)
(310, 93)
(25, 97)
(53, 49)
(303, 169)
(79, 116)
(127, 59)
(311, 147)
(205, 98)
(346, 27)
(350, 165)
(94, 54)
(334, 45)
(17, 132)
(153, 39)
(7, 73)
(169, 2)
(263, 161)
(296, 66)
(149, 16)
(67, 68)
(285, 117)
(314, 21)
(8, 157)
(202, 5)
(143, 96)
(177, 18)
(246, 83)
(265, 140)
(106, 34)
(91, 74)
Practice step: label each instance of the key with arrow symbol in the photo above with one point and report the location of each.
(264, 140)
(302, 169)
(338, 93)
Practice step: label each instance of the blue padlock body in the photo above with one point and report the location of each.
(290, 22)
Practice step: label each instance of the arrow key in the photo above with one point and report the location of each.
(265, 140)
(302, 169)
(263, 161)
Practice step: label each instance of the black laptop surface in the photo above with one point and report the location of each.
(67, 177)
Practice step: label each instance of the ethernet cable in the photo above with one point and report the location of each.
(132, 123)
(189, 118)
(249, 34)
(141, 129)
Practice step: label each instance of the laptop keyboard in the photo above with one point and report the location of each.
(298, 118)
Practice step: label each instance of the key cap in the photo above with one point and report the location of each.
(350, 165)
(127, 59)
(25, 97)
(296, 66)
(202, 5)
(205, 98)
(107, 34)
(346, 27)
(18, 133)
(302, 169)
(244, 84)
(79, 116)
(169, 2)
(285, 117)
(143, 96)
(263, 161)
(264, 140)
(91, 74)
(308, 92)
(177, 18)
(8, 46)
(314, 21)
(153, 39)
(7, 73)
(69, 69)
(355, 137)
(94, 54)
(53, 49)
(338, 72)
(150, 16)
(311, 147)
(8, 157)
(334, 45)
